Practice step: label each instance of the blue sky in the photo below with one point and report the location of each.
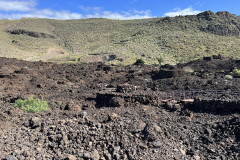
(122, 9)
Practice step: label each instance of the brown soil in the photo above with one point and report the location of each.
(121, 112)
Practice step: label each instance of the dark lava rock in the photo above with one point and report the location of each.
(35, 122)
(116, 102)
(152, 132)
(172, 106)
(138, 126)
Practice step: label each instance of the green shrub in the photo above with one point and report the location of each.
(188, 70)
(228, 77)
(222, 71)
(191, 71)
(31, 105)
(160, 60)
(77, 59)
(236, 71)
(139, 62)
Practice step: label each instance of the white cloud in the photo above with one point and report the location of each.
(52, 14)
(178, 12)
(116, 15)
(98, 12)
(16, 9)
(22, 6)
(46, 13)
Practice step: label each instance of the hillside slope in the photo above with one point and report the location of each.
(177, 39)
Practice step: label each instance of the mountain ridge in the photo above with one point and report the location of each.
(175, 39)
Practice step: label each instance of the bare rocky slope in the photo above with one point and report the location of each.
(98, 111)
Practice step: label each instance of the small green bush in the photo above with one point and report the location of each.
(160, 60)
(31, 105)
(77, 59)
(188, 70)
(228, 77)
(139, 62)
(222, 71)
(236, 71)
(191, 71)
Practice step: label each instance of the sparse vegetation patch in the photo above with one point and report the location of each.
(139, 62)
(177, 39)
(160, 60)
(229, 77)
(31, 105)
(236, 71)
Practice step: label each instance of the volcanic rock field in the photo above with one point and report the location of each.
(110, 112)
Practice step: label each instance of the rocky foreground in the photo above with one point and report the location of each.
(116, 112)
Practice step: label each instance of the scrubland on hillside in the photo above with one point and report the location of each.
(177, 39)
